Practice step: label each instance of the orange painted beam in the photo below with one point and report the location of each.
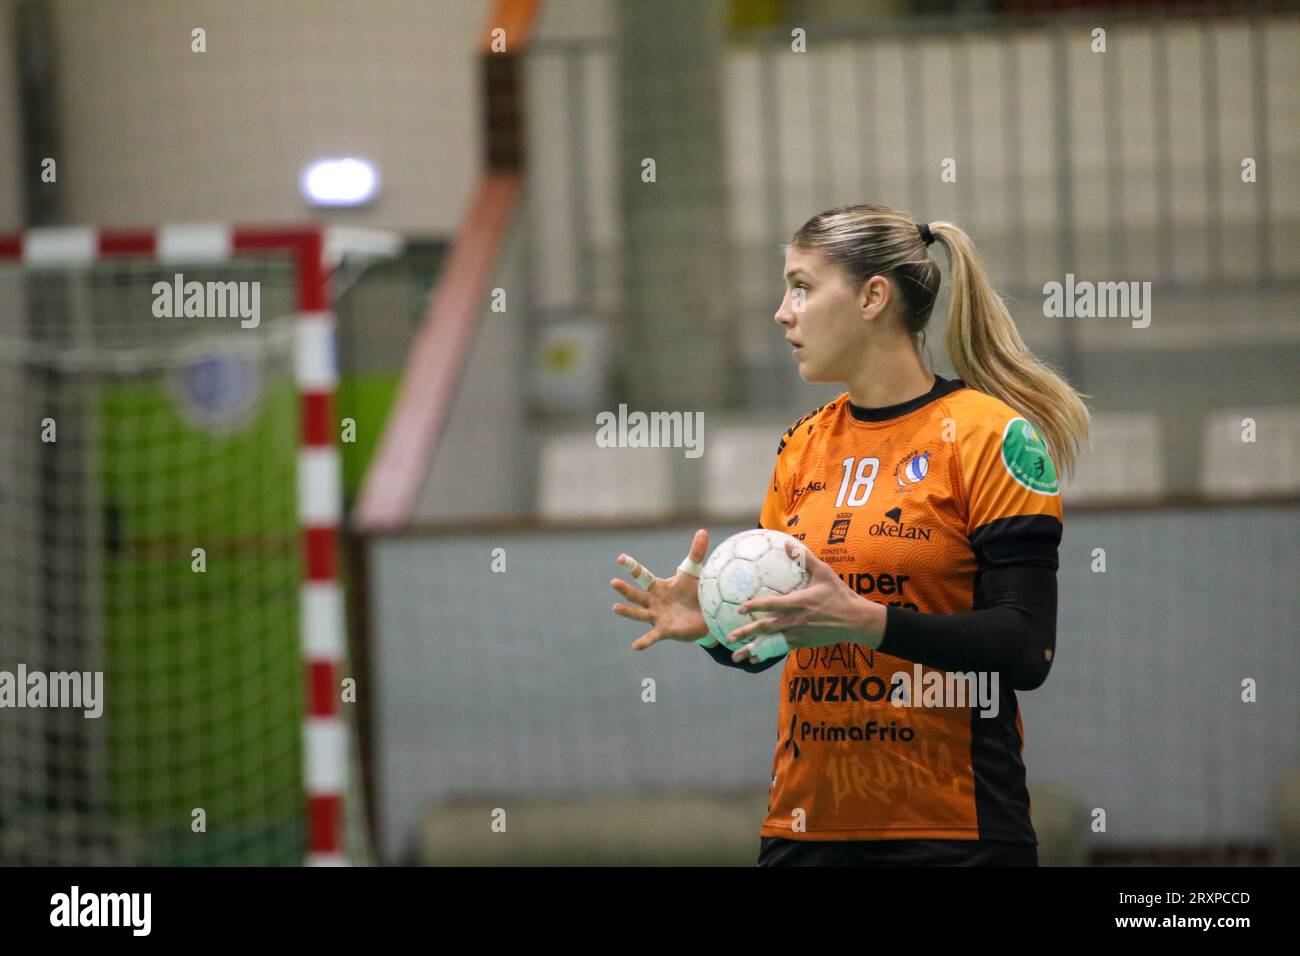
(436, 360)
(441, 349)
(517, 18)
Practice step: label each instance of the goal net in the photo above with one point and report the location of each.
(165, 571)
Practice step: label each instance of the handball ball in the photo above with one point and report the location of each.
(747, 565)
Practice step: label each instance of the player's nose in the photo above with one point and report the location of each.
(784, 315)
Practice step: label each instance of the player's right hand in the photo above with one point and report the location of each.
(671, 606)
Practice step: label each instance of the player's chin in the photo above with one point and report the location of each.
(810, 372)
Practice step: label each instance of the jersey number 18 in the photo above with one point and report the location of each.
(860, 490)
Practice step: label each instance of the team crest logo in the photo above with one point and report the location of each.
(912, 469)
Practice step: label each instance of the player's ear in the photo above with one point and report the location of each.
(873, 297)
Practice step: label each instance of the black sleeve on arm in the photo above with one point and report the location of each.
(1012, 629)
(723, 656)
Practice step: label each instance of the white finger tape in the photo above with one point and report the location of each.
(645, 578)
(693, 568)
(769, 646)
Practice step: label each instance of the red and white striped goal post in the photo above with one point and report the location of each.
(313, 249)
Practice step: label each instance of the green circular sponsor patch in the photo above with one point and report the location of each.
(1025, 456)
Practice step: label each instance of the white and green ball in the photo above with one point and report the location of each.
(748, 565)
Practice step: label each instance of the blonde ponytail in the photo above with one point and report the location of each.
(988, 354)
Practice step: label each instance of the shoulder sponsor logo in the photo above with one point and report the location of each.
(1024, 455)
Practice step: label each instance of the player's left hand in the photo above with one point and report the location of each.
(824, 611)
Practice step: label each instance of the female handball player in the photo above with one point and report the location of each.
(930, 513)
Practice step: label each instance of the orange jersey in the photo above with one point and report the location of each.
(906, 504)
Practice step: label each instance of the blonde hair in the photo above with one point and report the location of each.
(986, 350)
